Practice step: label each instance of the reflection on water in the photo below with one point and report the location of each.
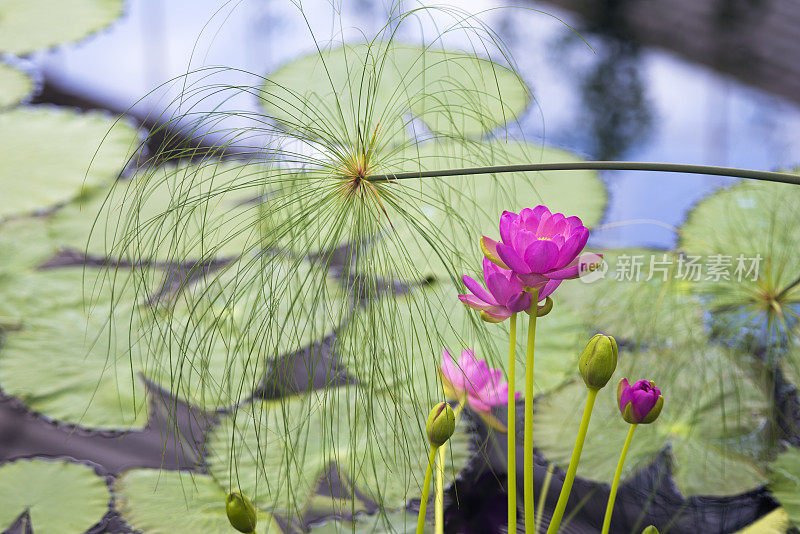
(619, 100)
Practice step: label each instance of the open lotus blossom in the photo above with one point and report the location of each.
(482, 386)
(538, 246)
(505, 295)
(640, 403)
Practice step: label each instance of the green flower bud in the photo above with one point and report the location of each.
(598, 361)
(650, 530)
(441, 424)
(241, 512)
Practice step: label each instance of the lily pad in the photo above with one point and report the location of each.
(640, 298)
(746, 231)
(15, 85)
(784, 483)
(75, 355)
(711, 418)
(212, 345)
(373, 87)
(29, 25)
(154, 501)
(406, 336)
(174, 213)
(58, 495)
(277, 451)
(25, 244)
(52, 155)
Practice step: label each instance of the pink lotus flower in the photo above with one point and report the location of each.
(482, 386)
(505, 296)
(640, 403)
(537, 245)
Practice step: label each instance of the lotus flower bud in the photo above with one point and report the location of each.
(241, 512)
(598, 361)
(441, 424)
(650, 530)
(640, 403)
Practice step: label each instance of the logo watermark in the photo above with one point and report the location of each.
(664, 266)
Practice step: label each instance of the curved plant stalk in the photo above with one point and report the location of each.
(731, 172)
(563, 497)
(511, 433)
(543, 496)
(530, 517)
(615, 484)
(426, 485)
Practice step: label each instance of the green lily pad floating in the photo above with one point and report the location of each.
(76, 354)
(784, 483)
(380, 523)
(212, 345)
(15, 85)
(154, 501)
(277, 451)
(52, 155)
(30, 25)
(25, 245)
(174, 213)
(746, 233)
(775, 522)
(59, 496)
(374, 87)
(624, 303)
(711, 418)
(407, 334)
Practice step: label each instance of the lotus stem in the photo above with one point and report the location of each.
(543, 497)
(426, 485)
(530, 517)
(563, 497)
(511, 425)
(732, 172)
(439, 499)
(615, 484)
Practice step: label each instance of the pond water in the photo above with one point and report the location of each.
(614, 100)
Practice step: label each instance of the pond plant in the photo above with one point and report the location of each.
(300, 284)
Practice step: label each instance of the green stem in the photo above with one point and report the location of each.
(732, 172)
(530, 516)
(426, 486)
(439, 500)
(563, 497)
(511, 425)
(615, 485)
(543, 496)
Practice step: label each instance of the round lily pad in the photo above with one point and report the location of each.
(52, 155)
(407, 333)
(784, 483)
(278, 451)
(24, 244)
(15, 85)
(640, 297)
(29, 25)
(175, 213)
(710, 422)
(84, 323)
(157, 501)
(58, 495)
(373, 88)
(745, 238)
